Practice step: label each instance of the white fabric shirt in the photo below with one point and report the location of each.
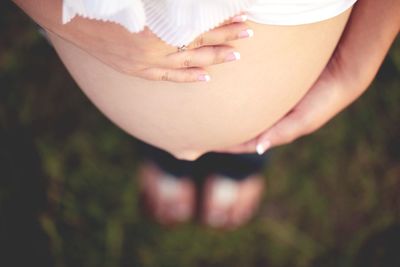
(178, 22)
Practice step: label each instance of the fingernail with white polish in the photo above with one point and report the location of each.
(240, 18)
(232, 56)
(246, 33)
(204, 78)
(262, 147)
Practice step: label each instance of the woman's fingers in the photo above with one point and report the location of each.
(223, 34)
(241, 17)
(209, 48)
(238, 18)
(202, 57)
(175, 75)
(320, 104)
(186, 66)
(327, 97)
(288, 129)
(246, 147)
(324, 100)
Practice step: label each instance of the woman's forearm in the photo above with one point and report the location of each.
(371, 30)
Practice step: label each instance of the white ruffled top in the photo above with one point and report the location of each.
(175, 22)
(179, 22)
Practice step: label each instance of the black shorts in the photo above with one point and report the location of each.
(236, 166)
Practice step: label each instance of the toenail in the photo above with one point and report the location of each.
(225, 192)
(168, 187)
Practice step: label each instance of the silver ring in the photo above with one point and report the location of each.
(182, 48)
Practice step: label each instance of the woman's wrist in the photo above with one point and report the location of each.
(371, 30)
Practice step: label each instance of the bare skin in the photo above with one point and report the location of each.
(223, 214)
(277, 68)
(348, 74)
(143, 54)
(169, 200)
(350, 70)
(194, 139)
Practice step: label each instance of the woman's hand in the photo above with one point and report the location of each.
(143, 54)
(325, 99)
(351, 69)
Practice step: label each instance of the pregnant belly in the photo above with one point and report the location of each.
(278, 65)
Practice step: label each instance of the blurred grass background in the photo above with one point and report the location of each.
(68, 193)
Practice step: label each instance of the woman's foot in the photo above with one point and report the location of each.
(168, 199)
(228, 203)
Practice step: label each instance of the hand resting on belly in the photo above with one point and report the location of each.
(277, 67)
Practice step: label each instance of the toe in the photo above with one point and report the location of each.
(249, 197)
(169, 200)
(166, 197)
(179, 206)
(220, 195)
